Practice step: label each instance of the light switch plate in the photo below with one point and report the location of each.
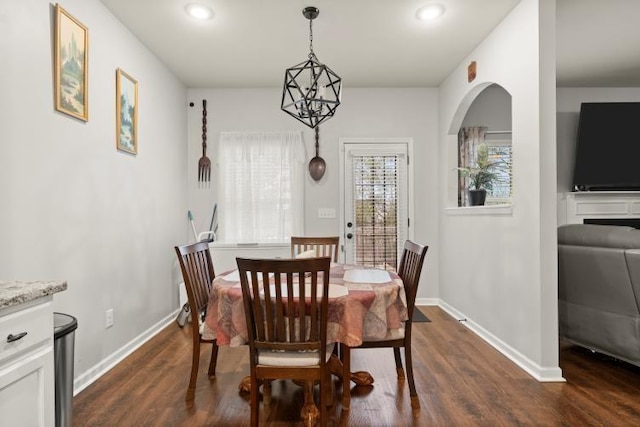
(326, 213)
(108, 318)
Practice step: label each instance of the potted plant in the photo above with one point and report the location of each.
(480, 176)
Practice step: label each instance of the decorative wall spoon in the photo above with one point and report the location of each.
(317, 166)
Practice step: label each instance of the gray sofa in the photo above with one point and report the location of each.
(599, 288)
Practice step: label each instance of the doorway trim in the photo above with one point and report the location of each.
(408, 141)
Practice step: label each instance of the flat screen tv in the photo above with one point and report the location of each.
(608, 147)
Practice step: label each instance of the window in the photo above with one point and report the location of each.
(500, 155)
(485, 161)
(260, 186)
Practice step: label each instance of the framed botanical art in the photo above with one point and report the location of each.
(71, 65)
(126, 112)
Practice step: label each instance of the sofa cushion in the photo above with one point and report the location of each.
(604, 236)
(633, 264)
(596, 277)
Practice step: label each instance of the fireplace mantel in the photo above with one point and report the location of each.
(601, 204)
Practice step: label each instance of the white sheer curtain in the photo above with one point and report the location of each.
(468, 140)
(261, 186)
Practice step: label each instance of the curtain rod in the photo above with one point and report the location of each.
(497, 131)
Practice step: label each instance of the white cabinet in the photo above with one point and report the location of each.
(26, 364)
(621, 207)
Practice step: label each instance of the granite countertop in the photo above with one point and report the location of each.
(16, 292)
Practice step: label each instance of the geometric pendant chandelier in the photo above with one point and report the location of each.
(312, 91)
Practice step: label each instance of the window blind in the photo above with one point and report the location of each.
(379, 207)
(500, 156)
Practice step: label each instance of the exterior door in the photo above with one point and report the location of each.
(376, 202)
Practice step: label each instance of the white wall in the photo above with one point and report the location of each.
(500, 271)
(363, 113)
(73, 207)
(491, 108)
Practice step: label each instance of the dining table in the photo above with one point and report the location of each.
(365, 304)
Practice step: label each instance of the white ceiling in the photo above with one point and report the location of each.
(371, 43)
(598, 43)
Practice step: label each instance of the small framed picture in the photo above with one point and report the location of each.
(126, 112)
(71, 65)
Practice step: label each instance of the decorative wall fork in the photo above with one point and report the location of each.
(204, 164)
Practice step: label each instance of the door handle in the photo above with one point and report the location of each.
(349, 236)
(12, 338)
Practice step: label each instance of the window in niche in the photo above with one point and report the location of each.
(484, 159)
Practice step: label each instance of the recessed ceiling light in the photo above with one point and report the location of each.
(430, 12)
(198, 11)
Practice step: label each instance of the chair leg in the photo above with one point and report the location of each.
(329, 389)
(325, 389)
(399, 370)
(214, 359)
(266, 392)
(415, 402)
(345, 353)
(254, 401)
(195, 363)
(309, 412)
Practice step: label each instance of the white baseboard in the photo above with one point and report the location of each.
(538, 372)
(89, 376)
(427, 301)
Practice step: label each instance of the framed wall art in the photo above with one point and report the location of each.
(126, 112)
(71, 65)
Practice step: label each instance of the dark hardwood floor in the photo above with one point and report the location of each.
(461, 381)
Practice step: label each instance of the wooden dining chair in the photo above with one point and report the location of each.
(409, 271)
(323, 246)
(198, 273)
(288, 337)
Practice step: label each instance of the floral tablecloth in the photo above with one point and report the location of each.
(372, 310)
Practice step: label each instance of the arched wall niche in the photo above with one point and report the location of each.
(487, 104)
(461, 111)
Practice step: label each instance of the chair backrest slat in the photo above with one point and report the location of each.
(291, 319)
(410, 269)
(324, 246)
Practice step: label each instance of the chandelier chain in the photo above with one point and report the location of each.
(311, 38)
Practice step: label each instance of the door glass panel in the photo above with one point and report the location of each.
(376, 207)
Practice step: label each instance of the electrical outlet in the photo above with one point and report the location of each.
(108, 318)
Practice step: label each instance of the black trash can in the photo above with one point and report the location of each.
(64, 336)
